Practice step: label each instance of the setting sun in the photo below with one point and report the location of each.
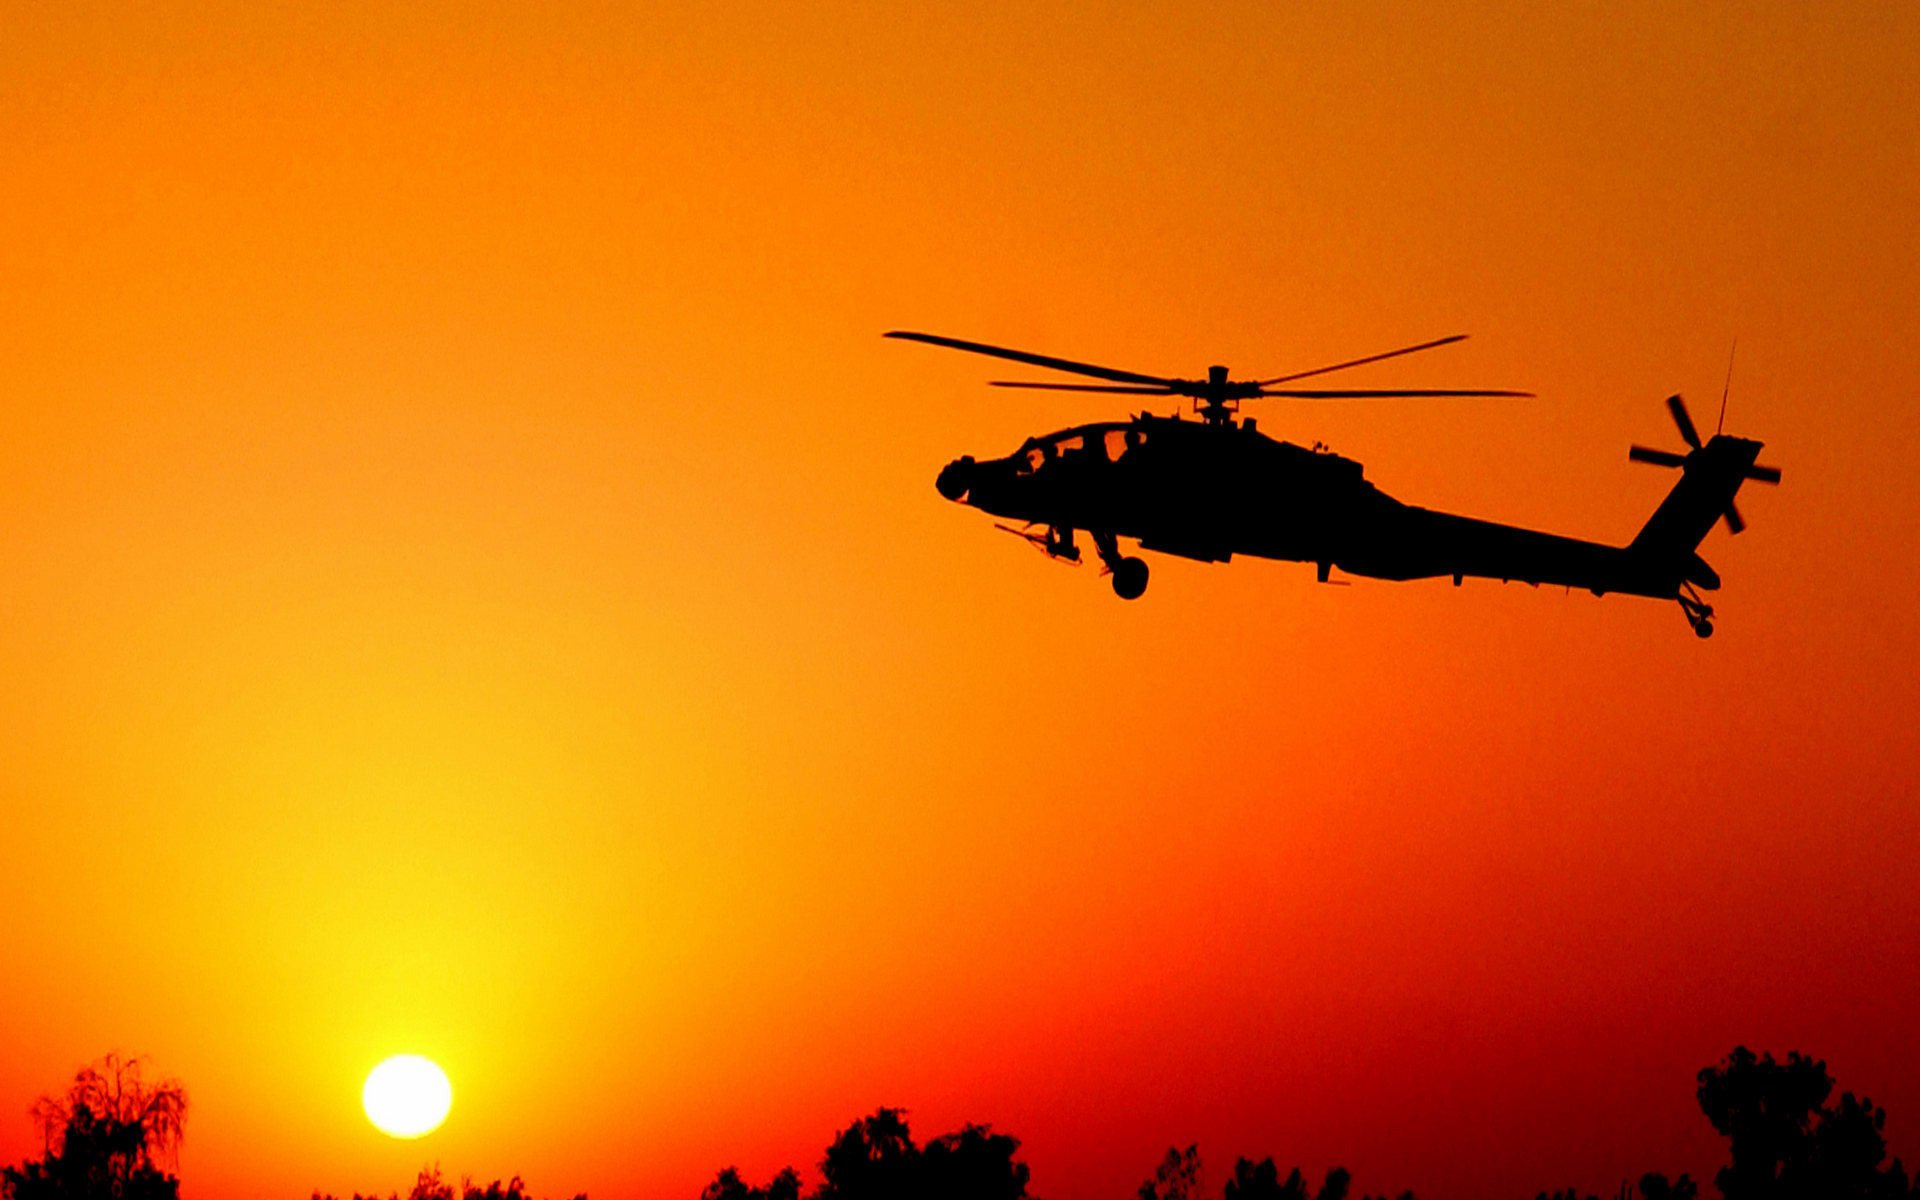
(407, 1096)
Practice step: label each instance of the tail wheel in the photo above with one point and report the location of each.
(1699, 612)
(1129, 578)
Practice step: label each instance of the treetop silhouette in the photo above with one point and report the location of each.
(729, 1186)
(430, 1185)
(875, 1158)
(1178, 1178)
(105, 1139)
(1787, 1142)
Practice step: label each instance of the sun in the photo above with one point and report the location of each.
(407, 1096)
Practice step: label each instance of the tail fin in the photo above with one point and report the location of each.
(1711, 475)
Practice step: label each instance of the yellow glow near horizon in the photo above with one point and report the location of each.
(407, 1096)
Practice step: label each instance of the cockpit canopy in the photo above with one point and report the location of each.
(1097, 443)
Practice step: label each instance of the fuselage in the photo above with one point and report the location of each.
(1209, 491)
(1180, 487)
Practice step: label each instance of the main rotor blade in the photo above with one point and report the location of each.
(1038, 360)
(1735, 522)
(1458, 337)
(1083, 387)
(1688, 433)
(1760, 474)
(1378, 393)
(1659, 458)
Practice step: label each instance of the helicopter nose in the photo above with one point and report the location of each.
(956, 478)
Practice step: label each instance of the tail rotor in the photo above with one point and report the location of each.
(1691, 436)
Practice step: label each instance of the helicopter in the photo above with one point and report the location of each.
(1211, 488)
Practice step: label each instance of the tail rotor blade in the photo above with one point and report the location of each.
(1659, 458)
(1760, 474)
(1735, 522)
(1688, 433)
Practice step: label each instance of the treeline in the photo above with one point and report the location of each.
(113, 1136)
(876, 1158)
(430, 1186)
(1787, 1139)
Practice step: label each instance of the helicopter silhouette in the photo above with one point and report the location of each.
(1216, 487)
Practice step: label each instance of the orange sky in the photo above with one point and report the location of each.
(471, 584)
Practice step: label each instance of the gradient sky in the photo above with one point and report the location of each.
(471, 584)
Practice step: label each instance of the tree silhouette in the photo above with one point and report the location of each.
(430, 1185)
(729, 1186)
(875, 1158)
(106, 1139)
(1786, 1142)
(1261, 1181)
(872, 1159)
(973, 1164)
(1653, 1186)
(1176, 1178)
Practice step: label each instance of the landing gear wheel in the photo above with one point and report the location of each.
(1699, 612)
(1129, 578)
